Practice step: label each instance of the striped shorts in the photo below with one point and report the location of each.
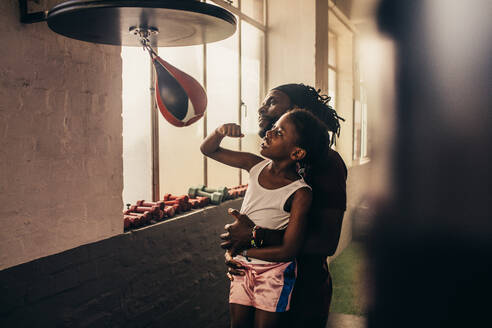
(266, 287)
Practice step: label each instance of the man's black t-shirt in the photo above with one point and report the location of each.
(328, 180)
(312, 291)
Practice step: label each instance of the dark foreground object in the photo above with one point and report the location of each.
(431, 248)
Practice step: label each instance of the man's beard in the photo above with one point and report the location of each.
(262, 132)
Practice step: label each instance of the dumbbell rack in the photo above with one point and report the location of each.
(145, 213)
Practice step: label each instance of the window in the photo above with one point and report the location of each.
(332, 68)
(360, 125)
(232, 71)
(180, 161)
(252, 86)
(137, 150)
(254, 9)
(223, 104)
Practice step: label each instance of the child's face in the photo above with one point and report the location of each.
(280, 141)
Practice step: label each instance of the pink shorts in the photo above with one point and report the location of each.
(266, 287)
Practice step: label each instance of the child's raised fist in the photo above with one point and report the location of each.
(230, 130)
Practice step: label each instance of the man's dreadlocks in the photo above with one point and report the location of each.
(307, 97)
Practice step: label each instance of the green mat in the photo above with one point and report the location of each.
(349, 281)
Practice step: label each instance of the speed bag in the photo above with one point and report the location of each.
(180, 98)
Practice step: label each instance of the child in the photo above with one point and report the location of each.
(277, 198)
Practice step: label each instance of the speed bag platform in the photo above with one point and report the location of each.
(180, 98)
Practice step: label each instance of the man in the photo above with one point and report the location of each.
(313, 289)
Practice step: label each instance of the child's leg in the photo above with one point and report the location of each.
(265, 319)
(242, 316)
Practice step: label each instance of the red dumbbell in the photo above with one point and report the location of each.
(195, 203)
(156, 212)
(127, 221)
(241, 189)
(204, 200)
(183, 198)
(181, 206)
(176, 206)
(133, 220)
(144, 217)
(233, 193)
(169, 211)
(143, 203)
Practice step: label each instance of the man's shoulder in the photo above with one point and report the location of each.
(329, 181)
(332, 163)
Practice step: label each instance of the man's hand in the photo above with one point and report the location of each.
(238, 235)
(235, 268)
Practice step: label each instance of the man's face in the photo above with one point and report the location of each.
(276, 104)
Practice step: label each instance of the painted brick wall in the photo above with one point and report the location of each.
(171, 274)
(60, 139)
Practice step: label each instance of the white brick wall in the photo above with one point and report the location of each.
(60, 140)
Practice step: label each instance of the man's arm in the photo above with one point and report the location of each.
(294, 234)
(321, 239)
(238, 234)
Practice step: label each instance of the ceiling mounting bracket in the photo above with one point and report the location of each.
(29, 18)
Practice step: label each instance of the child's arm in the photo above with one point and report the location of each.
(294, 234)
(211, 148)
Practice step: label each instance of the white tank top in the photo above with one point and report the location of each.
(265, 207)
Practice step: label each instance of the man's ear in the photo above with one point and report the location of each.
(298, 154)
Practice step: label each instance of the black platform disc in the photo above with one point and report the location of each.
(179, 22)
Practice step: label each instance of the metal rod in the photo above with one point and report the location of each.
(154, 124)
(205, 163)
(240, 94)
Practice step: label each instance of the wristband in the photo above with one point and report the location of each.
(245, 254)
(253, 237)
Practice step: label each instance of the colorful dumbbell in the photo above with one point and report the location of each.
(215, 197)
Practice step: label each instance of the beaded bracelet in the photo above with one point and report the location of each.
(253, 237)
(254, 242)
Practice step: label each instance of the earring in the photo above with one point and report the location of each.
(301, 170)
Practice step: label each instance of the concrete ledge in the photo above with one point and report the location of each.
(170, 274)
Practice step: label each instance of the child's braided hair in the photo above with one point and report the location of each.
(312, 135)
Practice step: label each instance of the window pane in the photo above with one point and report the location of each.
(252, 77)
(180, 159)
(253, 8)
(357, 130)
(137, 154)
(332, 87)
(363, 100)
(223, 103)
(363, 151)
(332, 49)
